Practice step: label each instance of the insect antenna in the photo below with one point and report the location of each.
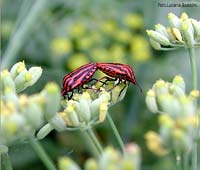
(141, 91)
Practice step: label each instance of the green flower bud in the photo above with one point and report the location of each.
(170, 105)
(34, 115)
(66, 163)
(91, 164)
(161, 29)
(194, 95)
(166, 121)
(57, 122)
(83, 110)
(188, 107)
(17, 69)
(184, 16)
(158, 37)
(52, 97)
(10, 96)
(109, 158)
(155, 44)
(118, 93)
(176, 90)
(177, 34)
(72, 116)
(174, 21)
(196, 27)
(6, 81)
(188, 33)
(179, 81)
(161, 87)
(21, 80)
(151, 101)
(35, 73)
(44, 131)
(128, 164)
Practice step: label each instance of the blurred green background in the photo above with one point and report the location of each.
(69, 33)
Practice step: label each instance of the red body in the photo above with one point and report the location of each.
(117, 70)
(78, 77)
(83, 74)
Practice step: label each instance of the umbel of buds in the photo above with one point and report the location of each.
(110, 159)
(181, 32)
(21, 115)
(178, 119)
(84, 110)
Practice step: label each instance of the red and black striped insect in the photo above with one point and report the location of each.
(78, 78)
(83, 75)
(122, 72)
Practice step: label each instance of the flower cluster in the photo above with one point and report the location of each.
(84, 110)
(20, 114)
(178, 119)
(182, 32)
(110, 159)
(98, 42)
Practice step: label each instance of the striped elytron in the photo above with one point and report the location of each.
(83, 75)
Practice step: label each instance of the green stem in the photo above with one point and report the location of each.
(94, 139)
(194, 86)
(185, 161)
(41, 153)
(193, 67)
(4, 158)
(116, 133)
(19, 37)
(178, 161)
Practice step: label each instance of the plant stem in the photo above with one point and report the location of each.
(4, 158)
(185, 161)
(41, 153)
(95, 140)
(178, 161)
(194, 86)
(193, 67)
(116, 133)
(19, 37)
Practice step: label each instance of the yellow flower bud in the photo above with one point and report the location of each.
(151, 101)
(174, 20)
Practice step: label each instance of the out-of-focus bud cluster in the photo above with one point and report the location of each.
(84, 110)
(22, 115)
(110, 159)
(181, 32)
(88, 40)
(178, 119)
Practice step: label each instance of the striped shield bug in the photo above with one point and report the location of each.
(119, 71)
(77, 78)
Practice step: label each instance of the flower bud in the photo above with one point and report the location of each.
(161, 87)
(174, 20)
(158, 37)
(166, 120)
(21, 80)
(161, 29)
(118, 93)
(109, 158)
(6, 81)
(196, 27)
(170, 105)
(188, 107)
(10, 96)
(35, 73)
(52, 97)
(83, 109)
(176, 91)
(184, 16)
(17, 69)
(66, 163)
(91, 164)
(194, 95)
(188, 33)
(178, 81)
(151, 101)
(177, 34)
(44, 131)
(72, 116)
(155, 44)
